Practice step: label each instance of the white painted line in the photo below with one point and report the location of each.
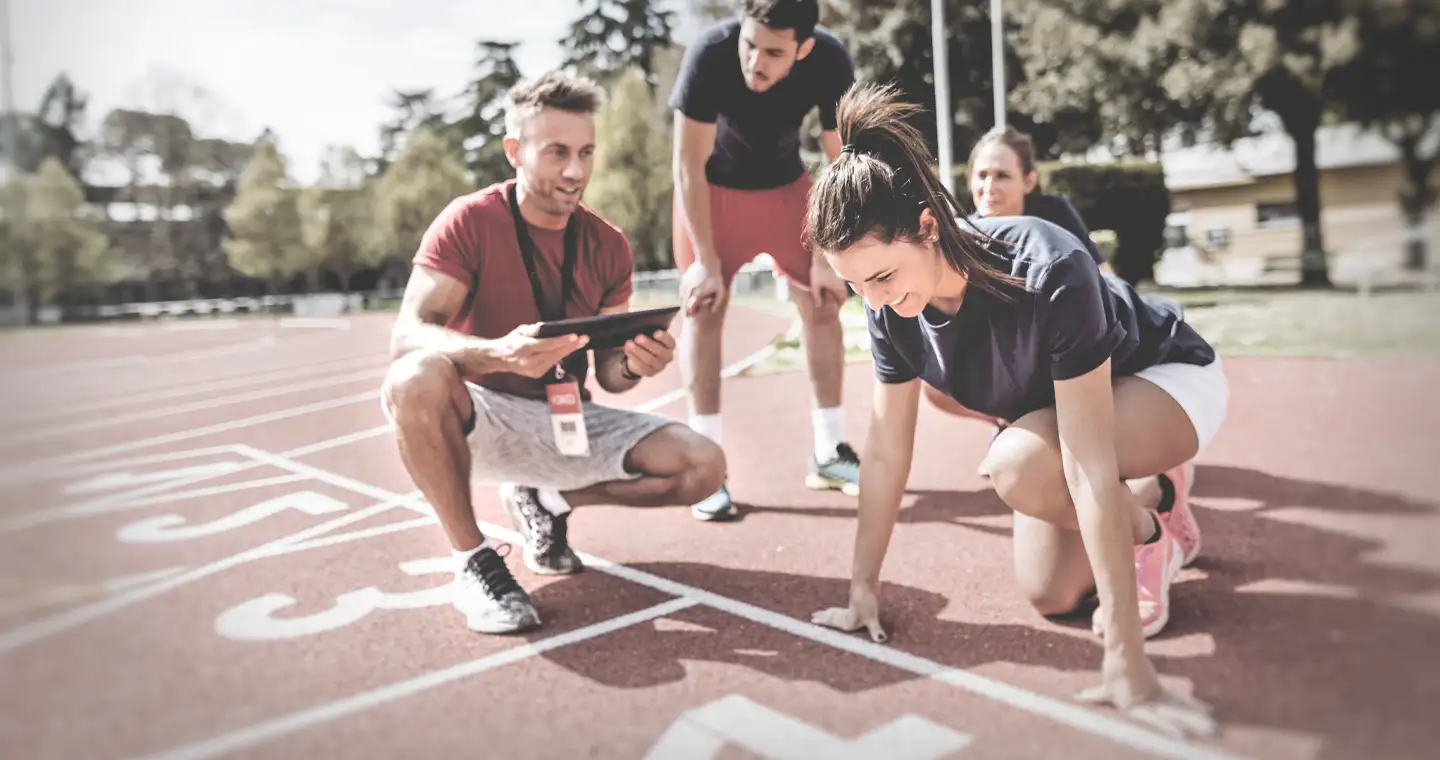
(299, 721)
(334, 479)
(324, 323)
(40, 434)
(193, 389)
(26, 472)
(701, 733)
(40, 629)
(1073, 715)
(200, 325)
(63, 594)
(147, 361)
(357, 535)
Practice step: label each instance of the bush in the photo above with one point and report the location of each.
(1128, 199)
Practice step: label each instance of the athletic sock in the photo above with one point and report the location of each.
(551, 501)
(707, 425)
(1167, 494)
(829, 427)
(463, 557)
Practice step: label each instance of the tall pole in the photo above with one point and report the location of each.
(11, 123)
(997, 59)
(943, 115)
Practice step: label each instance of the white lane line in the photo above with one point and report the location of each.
(193, 389)
(40, 434)
(1083, 719)
(146, 361)
(40, 629)
(299, 721)
(25, 472)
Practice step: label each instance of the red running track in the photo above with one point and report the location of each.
(236, 565)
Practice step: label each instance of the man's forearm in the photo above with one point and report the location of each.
(695, 202)
(610, 372)
(471, 355)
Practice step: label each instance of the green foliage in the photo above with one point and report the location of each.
(614, 36)
(48, 244)
(425, 177)
(482, 129)
(336, 220)
(631, 185)
(1128, 199)
(266, 239)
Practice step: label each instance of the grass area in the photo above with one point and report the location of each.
(1260, 322)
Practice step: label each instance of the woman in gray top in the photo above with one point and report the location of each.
(1012, 318)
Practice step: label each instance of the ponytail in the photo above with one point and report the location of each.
(883, 179)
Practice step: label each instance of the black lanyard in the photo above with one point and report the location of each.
(567, 271)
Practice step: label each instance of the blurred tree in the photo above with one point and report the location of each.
(336, 220)
(710, 11)
(631, 185)
(613, 36)
(52, 130)
(1196, 68)
(413, 110)
(1395, 86)
(266, 239)
(481, 130)
(425, 177)
(890, 41)
(49, 245)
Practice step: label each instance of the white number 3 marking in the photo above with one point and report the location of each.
(254, 620)
(163, 528)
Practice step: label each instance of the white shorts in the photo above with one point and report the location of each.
(1203, 392)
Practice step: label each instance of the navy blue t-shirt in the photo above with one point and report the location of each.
(1002, 358)
(757, 134)
(1059, 209)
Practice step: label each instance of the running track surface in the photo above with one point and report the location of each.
(209, 548)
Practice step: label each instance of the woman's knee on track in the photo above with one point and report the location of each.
(1059, 599)
(420, 387)
(1026, 473)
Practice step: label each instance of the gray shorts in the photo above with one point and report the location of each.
(512, 442)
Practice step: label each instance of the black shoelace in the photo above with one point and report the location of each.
(489, 566)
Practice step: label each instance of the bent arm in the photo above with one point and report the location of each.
(884, 470)
(609, 362)
(694, 141)
(431, 299)
(1085, 408)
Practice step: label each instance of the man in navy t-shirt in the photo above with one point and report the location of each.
(743, 92)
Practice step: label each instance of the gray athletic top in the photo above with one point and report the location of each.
(1002, 358)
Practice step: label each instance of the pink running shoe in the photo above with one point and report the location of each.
(1156, 566)
(1180, 519)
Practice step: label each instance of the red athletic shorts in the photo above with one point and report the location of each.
(747, 223)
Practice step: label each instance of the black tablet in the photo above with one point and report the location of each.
(611, 330)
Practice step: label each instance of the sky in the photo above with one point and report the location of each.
(317, 72)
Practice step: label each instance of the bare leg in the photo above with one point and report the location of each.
(430, 406)
(824, 344)
(700, 357)
(677, 466)
(1153, 434)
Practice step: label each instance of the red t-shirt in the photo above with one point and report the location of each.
(473, 240)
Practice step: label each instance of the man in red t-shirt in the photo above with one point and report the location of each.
(471, 390)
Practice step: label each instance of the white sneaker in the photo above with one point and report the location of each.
(490, 597)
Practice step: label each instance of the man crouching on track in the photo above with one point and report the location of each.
(471, 390)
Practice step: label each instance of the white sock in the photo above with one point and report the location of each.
(463, 557)
(707, 425)
(552, 501)
(829, 425)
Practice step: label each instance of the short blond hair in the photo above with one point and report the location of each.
(553, 89)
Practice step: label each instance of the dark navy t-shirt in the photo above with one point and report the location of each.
(757, 134)
(1059, 209)
(1003, 358)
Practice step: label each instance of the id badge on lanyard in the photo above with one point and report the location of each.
(562, 391)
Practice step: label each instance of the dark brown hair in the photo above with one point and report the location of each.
(800, 16)
(881, 182)
(553, 89)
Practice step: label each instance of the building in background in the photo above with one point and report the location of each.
(1234, 215)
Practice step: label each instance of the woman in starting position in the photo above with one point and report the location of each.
(1110, 394)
